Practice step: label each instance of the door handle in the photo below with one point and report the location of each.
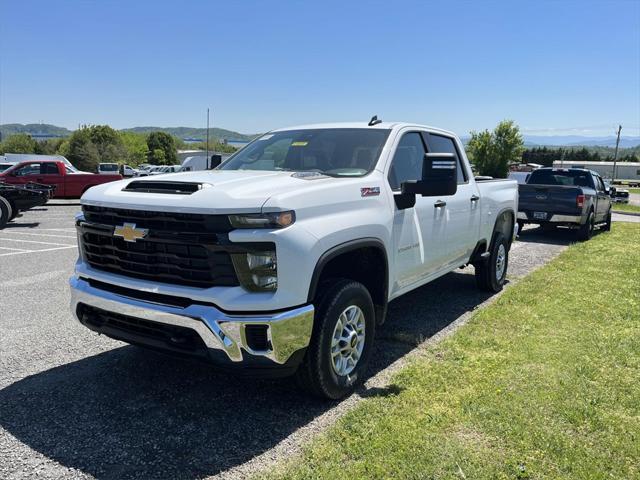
(439, 204)
(475, 198)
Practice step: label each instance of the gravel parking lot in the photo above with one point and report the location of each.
(77, 405)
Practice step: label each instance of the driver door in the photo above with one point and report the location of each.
(418, 232)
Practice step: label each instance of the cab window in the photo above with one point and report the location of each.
(49, 169)
(407, 160)
(442, 144)
(29, 169)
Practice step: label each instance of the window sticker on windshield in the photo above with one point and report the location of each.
(266, 137)
(299, 144)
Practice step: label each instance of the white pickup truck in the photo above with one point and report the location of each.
(283, 259)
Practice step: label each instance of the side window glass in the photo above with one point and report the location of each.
(442, 144)
(30, 169)
(49, 169)
(407, 161)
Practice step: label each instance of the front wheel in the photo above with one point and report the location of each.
(343, 331)
(607, 225)
(491, 274)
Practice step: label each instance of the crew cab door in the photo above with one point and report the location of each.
(418, 232)
(462, 210)
(603, 202)
(50, 175)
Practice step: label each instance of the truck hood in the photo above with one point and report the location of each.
(222, 191)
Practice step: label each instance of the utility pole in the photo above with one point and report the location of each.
(615, 156)
(207, 139)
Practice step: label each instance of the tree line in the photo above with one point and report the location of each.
(90, 145)
(546, 156)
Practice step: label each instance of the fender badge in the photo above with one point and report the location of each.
(369, 191)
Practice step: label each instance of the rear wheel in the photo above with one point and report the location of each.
(585, 232)
(491, 274)
(344, 326)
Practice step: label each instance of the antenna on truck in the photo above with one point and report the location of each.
(374, 121)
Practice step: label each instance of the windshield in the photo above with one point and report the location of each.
(570, 178)
(333, 151)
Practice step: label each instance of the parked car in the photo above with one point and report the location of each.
(67, 182)
(283, 260)
(108, 168)
(620, 195)
(575, 198)
(19, 198)
(166, 169)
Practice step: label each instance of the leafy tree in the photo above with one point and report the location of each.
(164, 142)
(49, 146)
(136, 146)
(19, 143)
(89, 146)
(493, 152)
(158, 157)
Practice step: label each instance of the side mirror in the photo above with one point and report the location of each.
(215, 160)
(439, 176)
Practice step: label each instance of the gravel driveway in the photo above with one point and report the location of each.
(77, 405)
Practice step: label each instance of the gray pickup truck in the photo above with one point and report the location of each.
(575, 198)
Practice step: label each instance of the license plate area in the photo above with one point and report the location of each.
(540, 215)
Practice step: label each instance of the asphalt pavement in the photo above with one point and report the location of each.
(77, 405)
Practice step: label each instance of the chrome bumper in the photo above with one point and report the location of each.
(287, 331)
(553, 219)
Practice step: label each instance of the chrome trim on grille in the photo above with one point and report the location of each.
(287, 332)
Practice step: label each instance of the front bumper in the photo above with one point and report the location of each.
(285, 332)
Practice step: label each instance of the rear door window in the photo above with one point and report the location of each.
(567, 178)
(49, 168)
(29, 169)
(442, 144)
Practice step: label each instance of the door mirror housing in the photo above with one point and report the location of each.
(439, 177)
(215, 160)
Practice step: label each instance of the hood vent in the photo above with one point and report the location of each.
(171, 188)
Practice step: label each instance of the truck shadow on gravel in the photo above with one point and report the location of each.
(129, 413)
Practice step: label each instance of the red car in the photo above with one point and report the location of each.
(67, 182)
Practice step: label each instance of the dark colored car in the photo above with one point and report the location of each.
(15, 199)
(575, 198)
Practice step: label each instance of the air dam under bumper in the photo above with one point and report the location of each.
(143, 322)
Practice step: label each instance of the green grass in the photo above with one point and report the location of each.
(634, 190)
(544, 383)
(625, 207)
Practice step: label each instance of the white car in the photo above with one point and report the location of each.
(284, 258)
(108, 168)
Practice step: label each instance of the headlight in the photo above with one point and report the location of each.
(263, 220)
(257, 271)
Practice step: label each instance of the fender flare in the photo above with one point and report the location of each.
(351, 245)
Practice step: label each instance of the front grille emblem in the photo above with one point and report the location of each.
(130, 233)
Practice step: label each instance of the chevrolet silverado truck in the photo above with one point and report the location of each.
(574, 198)
(68, 182)
(282, 260)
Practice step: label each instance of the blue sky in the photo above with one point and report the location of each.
(555, 67)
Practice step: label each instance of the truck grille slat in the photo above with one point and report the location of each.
(181, 249)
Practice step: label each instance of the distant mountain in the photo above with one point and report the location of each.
(34, 129)
(577, 140)
(193, 133)
(45, 130)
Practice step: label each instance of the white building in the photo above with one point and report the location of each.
(624, 170)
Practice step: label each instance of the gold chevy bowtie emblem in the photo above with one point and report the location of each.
(129, 232)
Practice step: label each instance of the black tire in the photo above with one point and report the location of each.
(317, 374)
(490, 276)
(607, 225)
(5, 212)
(585, 232)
